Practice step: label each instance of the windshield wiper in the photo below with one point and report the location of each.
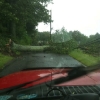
(77, 72)
(37, 68)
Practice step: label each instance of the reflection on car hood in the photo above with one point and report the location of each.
(43, 75)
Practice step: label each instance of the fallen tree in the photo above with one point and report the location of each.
(19, 47)
(11, 47)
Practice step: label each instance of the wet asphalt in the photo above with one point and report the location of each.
(39, 60)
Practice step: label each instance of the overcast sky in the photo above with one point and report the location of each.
(82, 15)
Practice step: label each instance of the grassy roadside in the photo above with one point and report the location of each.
(4, 59)
(85, 59)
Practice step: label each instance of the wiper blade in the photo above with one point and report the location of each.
(37, 68)
(76, 73)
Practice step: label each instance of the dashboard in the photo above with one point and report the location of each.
(40, 92)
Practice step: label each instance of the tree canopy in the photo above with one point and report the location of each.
(20, 17)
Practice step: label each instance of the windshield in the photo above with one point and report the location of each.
(44, 39)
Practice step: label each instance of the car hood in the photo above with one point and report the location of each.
(40, 76)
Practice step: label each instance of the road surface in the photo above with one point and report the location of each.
(31, 60)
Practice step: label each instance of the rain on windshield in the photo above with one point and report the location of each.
(48, 33)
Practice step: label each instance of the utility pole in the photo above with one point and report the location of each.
(50, 23)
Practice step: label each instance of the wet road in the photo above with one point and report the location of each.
(31, 60)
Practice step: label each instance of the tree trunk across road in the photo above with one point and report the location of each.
(27, 48)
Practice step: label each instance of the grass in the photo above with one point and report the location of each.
(84, 58)
(4, 59)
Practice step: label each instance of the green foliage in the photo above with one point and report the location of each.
(43, 37)
(19, 18)
(61, 36)
(92, 46)
(94, 37)
(62, 42)
(63, 48)
(3, 41)
(24, 40)
(79, 37)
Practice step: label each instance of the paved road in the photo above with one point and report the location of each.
(31, 60)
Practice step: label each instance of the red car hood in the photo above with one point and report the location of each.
(44, 75)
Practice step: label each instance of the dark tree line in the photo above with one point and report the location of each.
(19, 18)
(93, 45)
